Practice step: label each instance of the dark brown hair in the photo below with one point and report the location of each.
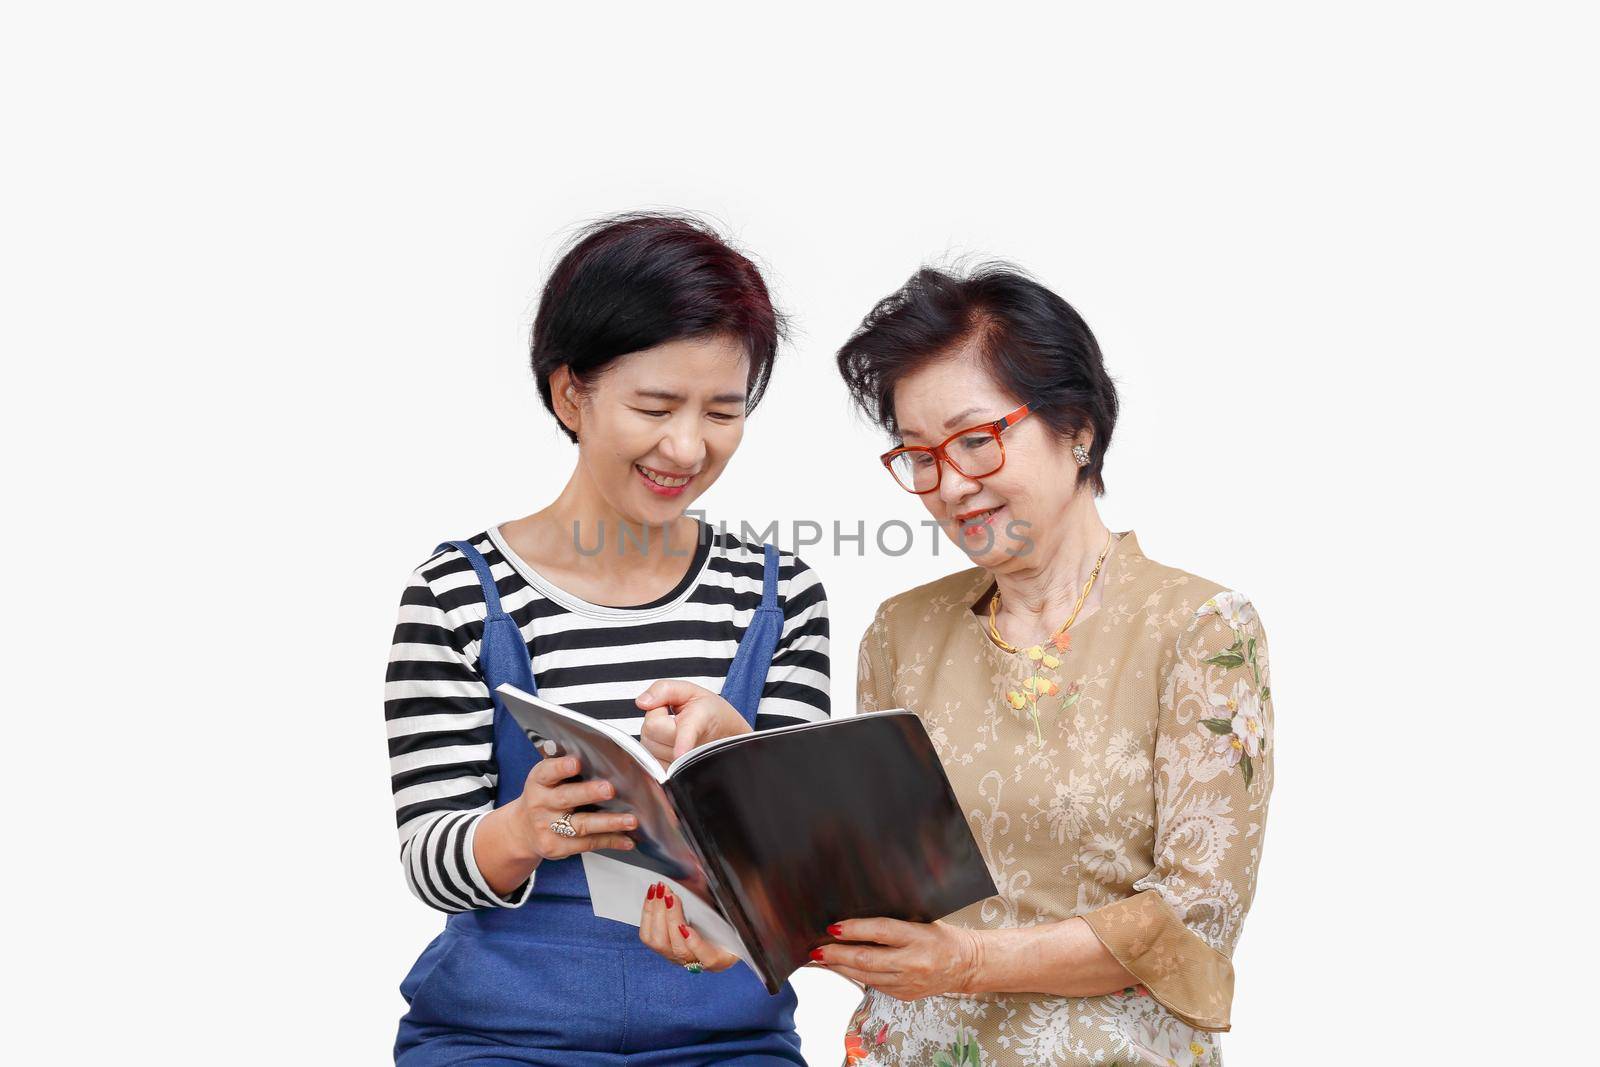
(1034, 344)
(634, 281)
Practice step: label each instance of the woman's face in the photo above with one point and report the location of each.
(657, 427)
(1003, 521)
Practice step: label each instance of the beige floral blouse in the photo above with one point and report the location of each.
(1120, 773)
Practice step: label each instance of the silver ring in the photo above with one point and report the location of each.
(562, 827)
(693, 968)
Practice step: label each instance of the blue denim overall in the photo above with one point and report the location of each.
(549, 983)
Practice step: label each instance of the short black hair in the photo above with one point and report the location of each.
(1034, 344)
(630, 282)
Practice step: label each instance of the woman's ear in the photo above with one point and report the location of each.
(566, 398)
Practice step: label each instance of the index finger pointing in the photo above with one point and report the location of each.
(668, 691)
(690, 727)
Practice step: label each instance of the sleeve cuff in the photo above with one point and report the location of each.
(469, 860)
(1185, 975)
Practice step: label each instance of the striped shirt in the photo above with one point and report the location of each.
(586, 657)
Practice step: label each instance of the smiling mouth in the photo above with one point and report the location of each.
(668, 483)
(971, 521)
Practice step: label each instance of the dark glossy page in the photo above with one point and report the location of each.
(851, 818)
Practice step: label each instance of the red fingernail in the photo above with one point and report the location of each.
(650, 894)
(683, 932)
(835, 930)
(669, 900)
(816, 954)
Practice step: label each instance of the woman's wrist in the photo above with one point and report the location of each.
(503, 849)
(1062, 958)
(515, 825)
(971, 961)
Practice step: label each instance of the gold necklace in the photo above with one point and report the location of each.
(994, 607)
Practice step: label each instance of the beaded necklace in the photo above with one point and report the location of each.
(1042, 684)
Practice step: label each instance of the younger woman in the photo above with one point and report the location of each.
(653, 341)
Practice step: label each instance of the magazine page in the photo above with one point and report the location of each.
(844, 819)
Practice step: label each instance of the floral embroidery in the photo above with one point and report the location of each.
(1241, 732)
(1141, 1029)
(1235, 609)
(1125, 756)
(920, 1030)
(963, 1052)
(1106, 859)
(1043, 682)
(858, 1047)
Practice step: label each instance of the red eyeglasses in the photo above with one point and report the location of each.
(978, 453)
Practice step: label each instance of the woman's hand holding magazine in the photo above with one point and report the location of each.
(663, 928)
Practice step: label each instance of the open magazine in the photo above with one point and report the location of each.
(768, 837)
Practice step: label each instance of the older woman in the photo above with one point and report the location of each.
(1105, 719)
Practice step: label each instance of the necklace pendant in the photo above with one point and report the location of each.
(1059, 640)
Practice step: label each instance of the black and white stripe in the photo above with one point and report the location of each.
(590, 658)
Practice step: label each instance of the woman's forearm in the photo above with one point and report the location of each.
(1064, 959)
(501, 850)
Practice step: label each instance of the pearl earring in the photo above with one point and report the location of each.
(1080, 454)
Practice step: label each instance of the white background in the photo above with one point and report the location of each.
(268, 273)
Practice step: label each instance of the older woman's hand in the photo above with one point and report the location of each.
(904, 960)
(701, 716)
(663, 928)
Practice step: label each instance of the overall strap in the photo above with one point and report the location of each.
(769, 578)
(747, 675)
(502, 654)
(480, 566)
(502, 657)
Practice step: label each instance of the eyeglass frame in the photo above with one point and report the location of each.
(995, 427)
